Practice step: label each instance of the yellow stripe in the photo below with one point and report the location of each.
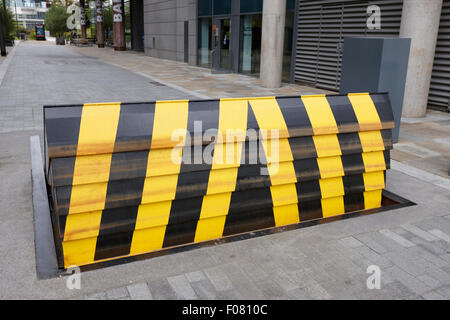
(170, 118)
(232, 124)
(159, 188)
(320, 114)
(82, 225)
(332, 187)
(374, 181)
(212, 217)
(371, 141)
(150, 227)
(327, 146)
(79, 252)
(365, 112)
(372, 199)
(374, 161)
(98, 128)
(223, 180)
(330, 167)
(333, 207)
(269, 116)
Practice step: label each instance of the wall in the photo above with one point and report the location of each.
(164, 29)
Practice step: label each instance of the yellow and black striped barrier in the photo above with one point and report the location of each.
(128, 179)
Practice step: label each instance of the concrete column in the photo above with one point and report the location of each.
(83, 19)
(420, 22)
(119, 25)
(272, 41)
(99, 24)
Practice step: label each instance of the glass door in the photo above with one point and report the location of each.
(221, 44)
(224, 44)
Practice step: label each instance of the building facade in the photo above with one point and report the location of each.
(227, 35)
(28, 13)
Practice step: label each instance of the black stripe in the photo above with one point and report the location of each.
(350, 143)
(307, 169)
(353, 184)
(208, 116)
(62, 128)
(384, 109)
(295, 116)
(251, 220)
(387, 158)
(114, 214)
(310, 210)
(354, 202)
(387, 138)
(353, 164)
(303, 147)
(59, 129)
(135, 128)
(116, 232)
(307, 191)
(343, 113)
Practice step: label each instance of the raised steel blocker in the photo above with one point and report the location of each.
(128, 179)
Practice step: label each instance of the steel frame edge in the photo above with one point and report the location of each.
(45, 250)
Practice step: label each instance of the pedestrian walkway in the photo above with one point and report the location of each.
(202, 81)
(329, 261)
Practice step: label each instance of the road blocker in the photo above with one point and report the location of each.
(127, 179)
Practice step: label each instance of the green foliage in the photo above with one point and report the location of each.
(8, 23)
(56, 19)
(31, 34)
(107, 17)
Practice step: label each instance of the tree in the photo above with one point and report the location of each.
(56, 19)
(7, 22)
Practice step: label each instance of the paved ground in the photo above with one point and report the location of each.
(202, 81)
(410, 245)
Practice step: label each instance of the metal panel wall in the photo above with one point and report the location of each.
(322, 26)
(440, 80)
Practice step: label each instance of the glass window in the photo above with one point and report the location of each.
(251, 6)
(204, 8)
(250, 46)
(290, 5)
(222, 7)
(204, 42)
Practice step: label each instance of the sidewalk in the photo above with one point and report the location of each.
(327, 261)
(424, 143)
(202, 81)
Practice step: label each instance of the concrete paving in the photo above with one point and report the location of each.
(411, 246)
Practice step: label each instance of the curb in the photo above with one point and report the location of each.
(5, 64)
(46, 261)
